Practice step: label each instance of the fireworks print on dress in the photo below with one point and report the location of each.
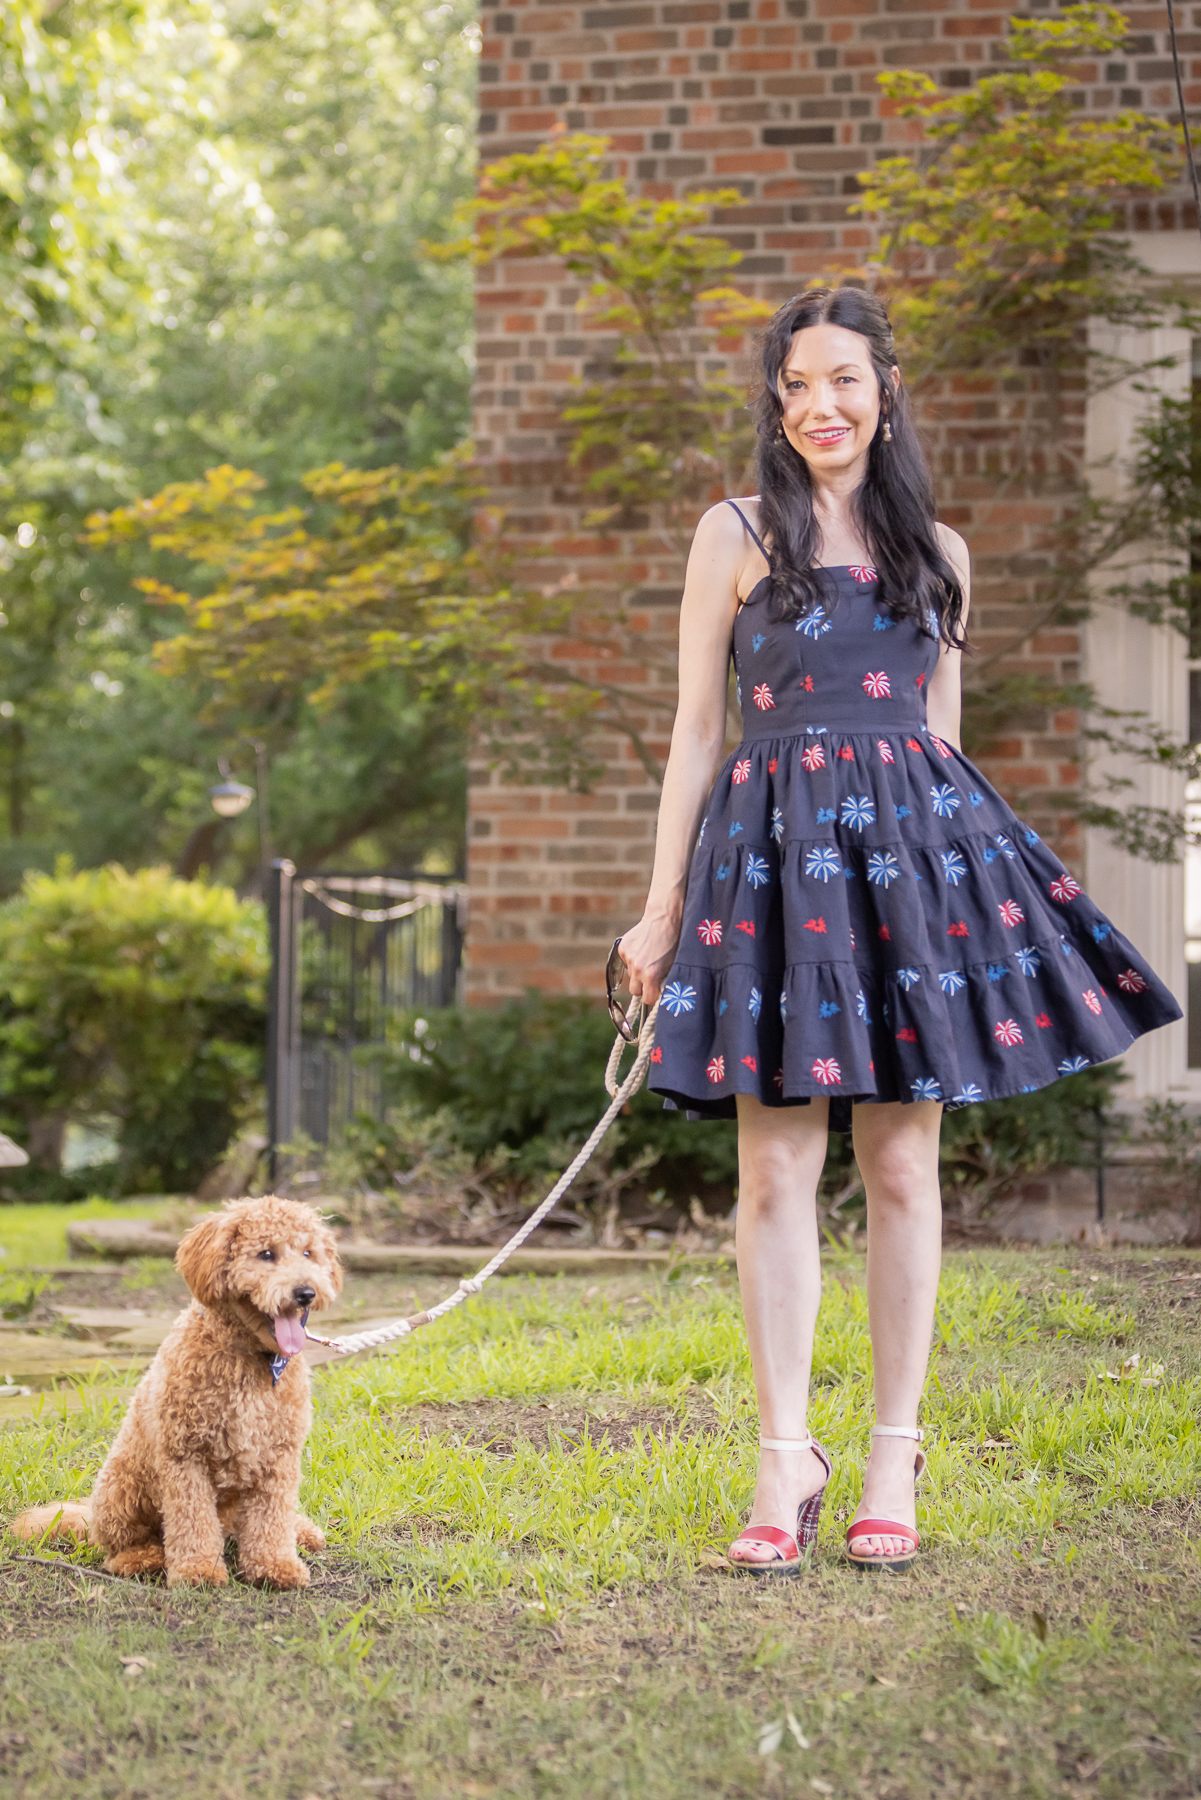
(823, 864)
(858, 810)
(866, 919)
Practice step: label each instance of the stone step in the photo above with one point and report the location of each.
(122, 1239)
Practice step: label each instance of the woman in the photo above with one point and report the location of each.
(864, 919)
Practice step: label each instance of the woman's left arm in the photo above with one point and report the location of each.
(943, 694)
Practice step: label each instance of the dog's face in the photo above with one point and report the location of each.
(269, 1260)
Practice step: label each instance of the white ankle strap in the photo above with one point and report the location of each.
(906, 1431)
(805, 1443)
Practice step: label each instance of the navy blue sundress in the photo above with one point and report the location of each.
(866, 919)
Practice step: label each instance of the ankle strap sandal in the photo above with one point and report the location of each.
(789, 1551)
(865, 1528)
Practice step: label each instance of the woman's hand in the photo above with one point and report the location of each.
(648, 951)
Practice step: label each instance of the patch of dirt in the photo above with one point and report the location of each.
(147, 1289)
(497, 1426)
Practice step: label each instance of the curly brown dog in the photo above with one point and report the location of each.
(213, 1436)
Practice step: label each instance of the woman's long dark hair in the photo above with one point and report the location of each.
(894, 505)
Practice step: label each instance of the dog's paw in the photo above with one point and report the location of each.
(280, 1572)
(143, 1559)
(198, 1572)
(308, 1535)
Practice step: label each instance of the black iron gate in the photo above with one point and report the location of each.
(348, 953)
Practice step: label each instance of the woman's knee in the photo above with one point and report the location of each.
(904, 1183)
(904, 1178)
(775, 1170)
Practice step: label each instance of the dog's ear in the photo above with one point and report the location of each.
(326, 1245)
(203, 1258)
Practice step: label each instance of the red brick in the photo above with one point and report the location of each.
(556, 872)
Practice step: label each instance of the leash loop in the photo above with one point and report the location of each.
(621, 1092)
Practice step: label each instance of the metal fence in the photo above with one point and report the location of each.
(348, 954)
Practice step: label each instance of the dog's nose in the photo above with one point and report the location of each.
(304, 1294)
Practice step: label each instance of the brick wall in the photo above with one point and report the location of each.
(777, 98)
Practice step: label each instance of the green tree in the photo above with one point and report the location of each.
(375, 575)
(65, 239)
(273, 173)
(380, 575)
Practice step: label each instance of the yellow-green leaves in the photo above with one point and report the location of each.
(996, 237)
(379, 570)
(655, 427)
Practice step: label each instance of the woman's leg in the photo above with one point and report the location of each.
(896, 1148)
(780, 1155)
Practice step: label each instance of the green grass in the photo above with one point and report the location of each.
(523, 1506)
(36, 1236)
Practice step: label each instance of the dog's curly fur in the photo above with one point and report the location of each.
(209, 1445)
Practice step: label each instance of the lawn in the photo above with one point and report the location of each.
(36, 1236)
(524, 1593)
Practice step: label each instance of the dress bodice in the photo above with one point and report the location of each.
(847, 665)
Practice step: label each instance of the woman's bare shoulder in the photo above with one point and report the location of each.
(951, 542)
(955, 549)
(722, 524)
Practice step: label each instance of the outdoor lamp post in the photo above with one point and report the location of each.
(230, 798)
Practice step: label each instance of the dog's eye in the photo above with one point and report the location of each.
(266, 1256)
(308, 1253)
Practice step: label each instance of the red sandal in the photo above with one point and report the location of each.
(789, 1550)
(863, 1528)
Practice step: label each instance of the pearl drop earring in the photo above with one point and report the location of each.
(887, 434)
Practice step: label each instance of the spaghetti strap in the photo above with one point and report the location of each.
(751, 529)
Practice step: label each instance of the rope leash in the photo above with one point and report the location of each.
(471, 1284)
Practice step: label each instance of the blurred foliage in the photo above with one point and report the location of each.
(526, 1077)
(659, 428)
(1002, 249)
(67, 217)
(376, 575)
(517, 1089)
(986, 1149)
(1009, 214)
(254, 186)
(1169, 1135)
(136, 996)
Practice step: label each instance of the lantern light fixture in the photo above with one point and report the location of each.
(229, 798)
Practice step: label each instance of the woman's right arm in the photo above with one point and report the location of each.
(719, 551)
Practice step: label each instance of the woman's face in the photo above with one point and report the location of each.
(831, 398)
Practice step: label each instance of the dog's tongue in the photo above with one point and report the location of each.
(289, 1334)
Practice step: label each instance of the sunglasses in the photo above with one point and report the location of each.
(615, 980)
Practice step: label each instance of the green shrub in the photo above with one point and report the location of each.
(527, 1077)
(987, 1148)
(132, 995)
